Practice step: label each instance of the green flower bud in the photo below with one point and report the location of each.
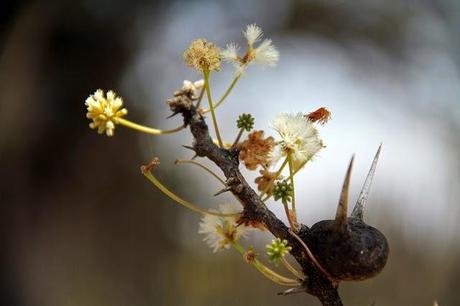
(245, 121)
(284, 191)
(277, 249)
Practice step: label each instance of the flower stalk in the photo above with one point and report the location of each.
(148, 174)
(206, 74)
(146, 129)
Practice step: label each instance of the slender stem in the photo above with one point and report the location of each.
(313, 259)
(267, 272)
(291, 176)
(146, 129)
(227, 92)
(276, 176)
(291, 269)
(200, 97)
(238, 137)
(181, 201)
(211, 107)
(184, 161)
(288, 215)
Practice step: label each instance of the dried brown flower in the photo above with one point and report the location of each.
(249, 256)
(256, 150)
(203, 56)
(321, 115)
(265, 181)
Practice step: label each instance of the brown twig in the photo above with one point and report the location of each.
(316, 282)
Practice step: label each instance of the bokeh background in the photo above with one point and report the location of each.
(81, 226)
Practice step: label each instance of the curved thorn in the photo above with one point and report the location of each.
(358, 210)
(342, 207)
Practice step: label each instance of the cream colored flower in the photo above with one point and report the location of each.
(104, 111)
(299, 138)
(265, 53)
(192, 86)
(221, 232)
(203, 56)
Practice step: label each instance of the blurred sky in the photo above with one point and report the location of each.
(79, 224)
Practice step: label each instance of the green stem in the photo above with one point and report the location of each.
(211, 107)
(267, 272)
(181, 201)
(145, 129)
(274, 179)
(238, 137)
(291, 176)
(227, 92)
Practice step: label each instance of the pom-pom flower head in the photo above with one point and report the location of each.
(299, 139)
(203, 56)
(104, 111)
(222, 232)
(265, 53)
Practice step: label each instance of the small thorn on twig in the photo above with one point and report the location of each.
(294, 290)
(194, 156)
(189, 147)
(172, 115)
(223, 190)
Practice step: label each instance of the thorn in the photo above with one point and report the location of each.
(342, 207)
(172, 115)
(223, 190)
(189, 147)
(358, 210)
(294, 290)
(194, 156)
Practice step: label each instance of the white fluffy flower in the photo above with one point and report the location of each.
(299, 138)
(104, 111)
(220, 232)
(253, 34)
(265, 53)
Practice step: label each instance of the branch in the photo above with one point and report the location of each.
(316, 283)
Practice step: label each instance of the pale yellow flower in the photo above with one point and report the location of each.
(104, 111)
(203, 56)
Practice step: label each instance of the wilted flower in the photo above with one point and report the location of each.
(192, 87)
(203, 56)
(221, 232)
(104, 111)
(256, 150)
(277, 249)
(299, 139)
(265, 53)
(321, 115)
(265, 181)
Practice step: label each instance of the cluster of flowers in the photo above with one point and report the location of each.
(297, 142)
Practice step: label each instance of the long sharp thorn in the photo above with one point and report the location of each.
(222, 191)
(194, 157)
(172, 115)
(342, 207)
(358, 210)
(294, 290)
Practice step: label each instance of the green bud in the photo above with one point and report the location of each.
(284, 191)
(245, 121)
(277, 249)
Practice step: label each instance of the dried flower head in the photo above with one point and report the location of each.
(203, 56)
(256, 150)
(321, 115)
(265, 53)
(299, 139)
(284, 191)
(265, 181)
(104, 111)
(246, 122)
(249, 256)
(192, 87)
(221, 232)
(277, 249)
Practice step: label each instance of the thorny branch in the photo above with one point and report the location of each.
(315, 283)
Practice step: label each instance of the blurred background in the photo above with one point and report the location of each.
(81, 226)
